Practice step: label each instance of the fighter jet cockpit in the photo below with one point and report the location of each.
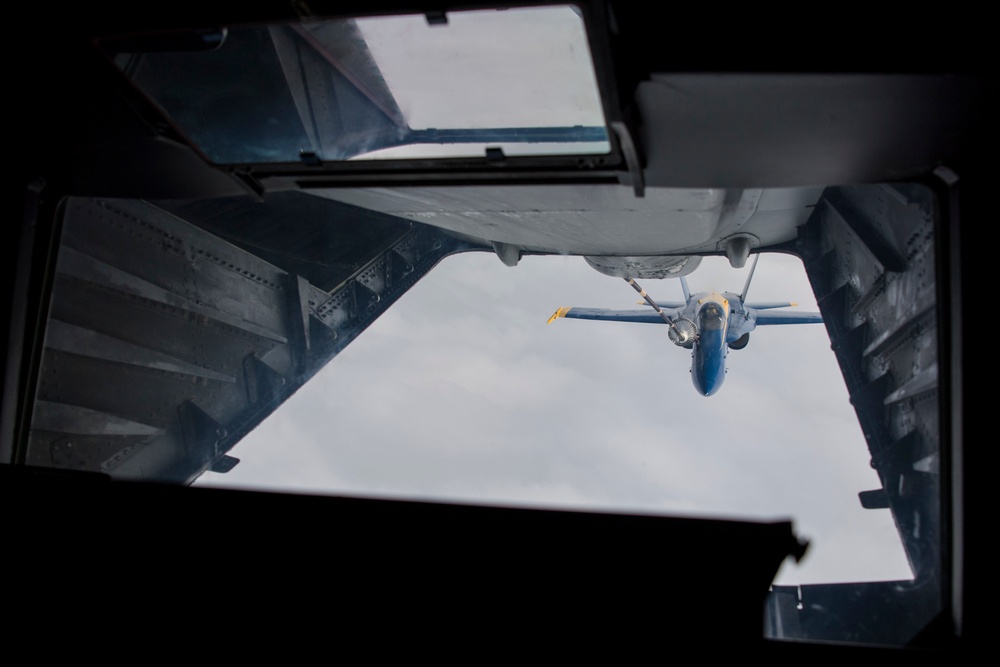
(711, 317)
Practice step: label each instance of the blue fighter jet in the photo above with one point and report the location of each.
(707, 323)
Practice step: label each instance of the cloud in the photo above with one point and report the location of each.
(462, 392)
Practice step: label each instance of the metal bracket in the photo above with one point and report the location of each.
(631, 154)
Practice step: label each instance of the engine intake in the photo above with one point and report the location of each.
(740, 342)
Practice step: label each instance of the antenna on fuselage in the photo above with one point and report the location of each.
(681, 334)
(746, 287)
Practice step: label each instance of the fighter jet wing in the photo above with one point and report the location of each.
(650, 316)
(787, 317)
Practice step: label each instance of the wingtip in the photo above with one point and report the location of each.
(559, 313)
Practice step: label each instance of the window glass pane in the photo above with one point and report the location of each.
(516, 82)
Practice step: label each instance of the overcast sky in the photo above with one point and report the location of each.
(462, 392)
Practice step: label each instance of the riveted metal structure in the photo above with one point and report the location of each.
(871, 257)
(193, 339)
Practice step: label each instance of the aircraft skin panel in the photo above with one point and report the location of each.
(563, 218)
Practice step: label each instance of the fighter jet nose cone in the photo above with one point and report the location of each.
(706, 386)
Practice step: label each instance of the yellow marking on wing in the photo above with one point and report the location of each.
(794, 303)
(559, 313)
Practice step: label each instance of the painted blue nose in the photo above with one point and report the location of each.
(709, 364)
(709, 386)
